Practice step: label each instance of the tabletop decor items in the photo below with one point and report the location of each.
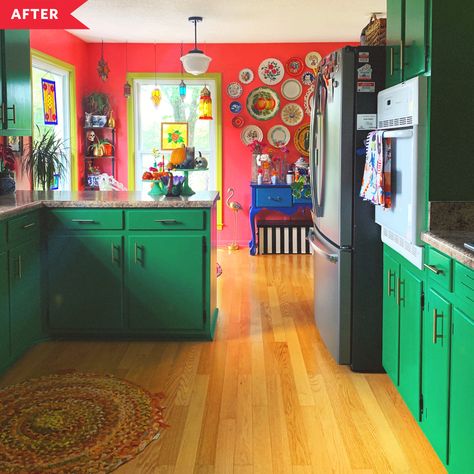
(263, 103)
(271, 71)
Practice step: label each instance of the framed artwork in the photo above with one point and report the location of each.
(50, 110)
(174, 135)
(16, 144)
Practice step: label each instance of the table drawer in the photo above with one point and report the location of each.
(86, 219)
(23, 227)
(166, 219)
(273, 197)
(464, 283)
(439, 267)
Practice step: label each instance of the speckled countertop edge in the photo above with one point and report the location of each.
(452, 243)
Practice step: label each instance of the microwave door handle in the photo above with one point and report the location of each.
(398, 134)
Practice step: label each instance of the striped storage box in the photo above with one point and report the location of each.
(276, 237)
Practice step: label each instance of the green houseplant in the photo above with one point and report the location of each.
(45, 159)
(96, 107)
(7, 165)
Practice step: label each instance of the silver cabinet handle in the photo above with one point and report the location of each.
(435, 326)
(138, 247)
(84, 221)
(433, 269)
(113, 248)
(20, 274)
(389, 282)
(391, 61)
(332, 257)
(31, 224)
(274, 198)
(167, 221)
(13, 109)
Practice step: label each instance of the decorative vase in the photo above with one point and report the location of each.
(111, 122)
(7, 185)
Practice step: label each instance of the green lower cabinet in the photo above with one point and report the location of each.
(25, 296)
(435, 370)
(165, 282)
(4, 312)
(461, 454)
(85, 282)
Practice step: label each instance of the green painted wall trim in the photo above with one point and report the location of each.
(217, 78)
(71, 69)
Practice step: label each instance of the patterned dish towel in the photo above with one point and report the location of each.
(376, 182)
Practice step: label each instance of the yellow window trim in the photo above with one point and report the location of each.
(71, 69)
(217, 78)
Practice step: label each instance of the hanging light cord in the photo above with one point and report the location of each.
(155, 64)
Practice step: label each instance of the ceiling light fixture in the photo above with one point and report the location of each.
(195, 62)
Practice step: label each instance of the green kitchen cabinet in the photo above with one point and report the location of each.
(461, 422)
(4, 312)
(395, 34)
(435, 369)
(16, 103)
(166, 281)
(85, 282)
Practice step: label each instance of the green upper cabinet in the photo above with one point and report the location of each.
(395, 32)
(4, 312)
(461, 454)
(165, 281)
(85, 281)
(15, 67)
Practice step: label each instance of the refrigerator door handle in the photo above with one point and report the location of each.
(319, 249)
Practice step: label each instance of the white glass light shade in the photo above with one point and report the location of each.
(195, 62)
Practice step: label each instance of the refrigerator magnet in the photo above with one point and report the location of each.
(365, 86)
(364, 56)
(365, 72)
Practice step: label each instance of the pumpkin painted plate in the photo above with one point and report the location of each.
(234, 90)
(302, 139)
(294, 66)
(263, 103)
(292, 114)
(312, 59)
(291, 89)
(246, 76)
(238, 121)
(271, 71)
(278, 136)
(250, 133)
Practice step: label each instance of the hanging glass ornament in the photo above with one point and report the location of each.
(182, 90)
(156, 96)
(205, 104)
(102, 67)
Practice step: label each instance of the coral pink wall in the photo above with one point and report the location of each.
(227, 59)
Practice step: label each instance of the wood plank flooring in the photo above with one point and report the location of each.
(265, 396)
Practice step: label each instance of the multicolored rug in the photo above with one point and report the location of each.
(75, 422)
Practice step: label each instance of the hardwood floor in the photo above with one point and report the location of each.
(265, 396)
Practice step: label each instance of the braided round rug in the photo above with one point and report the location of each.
(75, 422)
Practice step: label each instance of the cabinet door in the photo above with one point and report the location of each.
(25, 296)
(461, 454)
(390, 325)
(17, 75)
(165, 281)
(395, 31)
(436, 342)
(415, 39)
(4, 312)
(85, 282)
(411, 289)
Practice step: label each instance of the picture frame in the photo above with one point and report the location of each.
(174, 135)
(16, 144)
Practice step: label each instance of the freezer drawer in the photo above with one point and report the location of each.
(332, 296)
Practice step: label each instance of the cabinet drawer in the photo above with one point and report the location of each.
(22, 227)
(464, 283)
(439, 267)
(166, 219)
(86, 219)
(273, 197)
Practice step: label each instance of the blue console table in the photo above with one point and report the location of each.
(273, 197)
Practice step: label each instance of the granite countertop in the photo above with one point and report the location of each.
(451, 242)
(21, 201)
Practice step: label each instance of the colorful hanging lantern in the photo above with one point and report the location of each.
(127, 90)
(205, 104)
(102, 67)
(182, 90)
(156, 96)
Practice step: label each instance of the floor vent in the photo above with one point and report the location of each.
(283, 237)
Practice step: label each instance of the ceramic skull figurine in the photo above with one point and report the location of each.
(200, 162)
(91, 135)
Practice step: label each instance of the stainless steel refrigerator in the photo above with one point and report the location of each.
(347, 249)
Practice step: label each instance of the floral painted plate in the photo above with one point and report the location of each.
(235, 107)
(291, 89)
(238, 121)
(250, 133)
(301, 139)
(234, 90)
(246, 76)
(271, 71)
(312, 59)
(294, 66)
(308, 99)
(278, 136)
(263, 103)
(292, 114)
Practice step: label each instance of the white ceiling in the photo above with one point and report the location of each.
(225, 21)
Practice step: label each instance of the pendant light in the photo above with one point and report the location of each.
(127, 88)
(156, 93)
(182, 85)
(205, 104)
(102, 66)
(195, 62)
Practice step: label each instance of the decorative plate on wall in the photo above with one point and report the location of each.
(271, 71)
(250, 133)
(302, 139)
(294, 66)
(234, 90)
(308, 99)
(246, 76)
(292, 114)
(235, 107)
(263, 103)
(312, 59)
(238, 121)
(291, 89)
(278, 136)
(307, 78)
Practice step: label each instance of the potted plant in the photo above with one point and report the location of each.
(96, 107)
(45, 159)
(7, 165)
